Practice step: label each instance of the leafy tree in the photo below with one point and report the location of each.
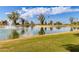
(74, 23)
(41, 18)
(13, 16)
(22, 20)
(4, 22)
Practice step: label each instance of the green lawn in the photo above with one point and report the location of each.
(55, 43)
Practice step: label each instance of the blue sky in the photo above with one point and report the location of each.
(55, 13)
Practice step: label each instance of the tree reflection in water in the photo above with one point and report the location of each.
(32, 27)
(51, 28)
(71, 29)
(45, 28)
(58, 27)
(22, 31)
(14, 34)
(77, 28)
(41, 32)
(74, 28)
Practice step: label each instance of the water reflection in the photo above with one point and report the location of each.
(71, 29)
(74, 28)
(41, 32)
(32, 27)
(58, 27)
(51, 28)
(45, 28)
(14, 34)
(78, 28)
(22, 31)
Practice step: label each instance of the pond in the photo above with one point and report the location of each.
(7, 33)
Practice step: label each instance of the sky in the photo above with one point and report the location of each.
(30, 13)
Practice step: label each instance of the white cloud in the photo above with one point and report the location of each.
(30, 12)
(59, 10)
(8, 13)
(33, 11)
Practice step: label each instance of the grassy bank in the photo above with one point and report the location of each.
(60, 42)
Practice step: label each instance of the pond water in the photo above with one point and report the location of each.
(8, 33)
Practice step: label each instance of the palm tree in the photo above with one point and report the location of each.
(13, 16)
(41, 18)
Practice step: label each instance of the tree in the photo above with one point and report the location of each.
(22, 20)
(58, 23)
(4, 22)
(45, 23)
(71, 20)
(41, 18)
(50, 23)
(32, 23)
(74, 23)
(26, 23)
(13, 16)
